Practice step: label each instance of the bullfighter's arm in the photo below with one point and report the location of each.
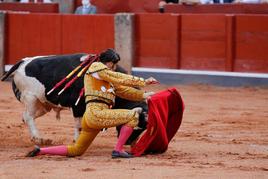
(129, 93)
(116, 78)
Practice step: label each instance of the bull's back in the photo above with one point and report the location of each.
(50, 70)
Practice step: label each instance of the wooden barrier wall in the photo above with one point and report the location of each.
(157, 40)
(31, 35)
(251, 43)
(190, 41)
(87, 33)
(202, 42)
(46, 34)
(30, 7)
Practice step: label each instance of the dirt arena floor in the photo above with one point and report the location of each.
(223, 135)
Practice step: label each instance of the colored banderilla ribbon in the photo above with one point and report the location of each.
(70, 74)
(77, 76)
(82, 91)
(90, 59)
(80, 95)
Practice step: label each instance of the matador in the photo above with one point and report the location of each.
(102, 85)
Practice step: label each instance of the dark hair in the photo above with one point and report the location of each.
(109, 55)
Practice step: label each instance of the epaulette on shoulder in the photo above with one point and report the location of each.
(95, 67)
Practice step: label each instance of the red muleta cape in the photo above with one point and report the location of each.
(164, 119)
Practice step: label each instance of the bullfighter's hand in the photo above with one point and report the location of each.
(138, 110)
(148, 95)
(150, 81)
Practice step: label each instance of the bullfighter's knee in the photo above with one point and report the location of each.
(83, 142)
(76, 150)
(134, 121)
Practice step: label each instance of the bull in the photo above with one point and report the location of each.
(34, 77)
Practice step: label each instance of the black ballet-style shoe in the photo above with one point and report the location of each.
(117, 154)
(34, 152)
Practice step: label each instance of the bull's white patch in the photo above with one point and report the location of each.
(29, 85)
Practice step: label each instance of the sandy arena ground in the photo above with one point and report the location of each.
(223, 135)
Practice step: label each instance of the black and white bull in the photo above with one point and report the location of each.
(34, 77)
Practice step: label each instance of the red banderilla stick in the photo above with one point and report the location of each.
(75, 78)
(78, 75)
(80, 95)
(70, 74)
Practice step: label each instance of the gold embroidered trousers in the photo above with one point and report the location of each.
(97, 117)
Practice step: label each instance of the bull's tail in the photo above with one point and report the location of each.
(14, 68)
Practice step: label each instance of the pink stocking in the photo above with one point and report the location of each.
(56, 150)
(125, 132)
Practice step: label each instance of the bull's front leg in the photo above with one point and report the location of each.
(34, 109)
(29, 120)
(35, 137)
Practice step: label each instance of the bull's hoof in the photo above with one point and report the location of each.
(34, 152)
(41, 141)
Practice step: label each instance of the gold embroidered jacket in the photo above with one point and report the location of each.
(104, 84)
